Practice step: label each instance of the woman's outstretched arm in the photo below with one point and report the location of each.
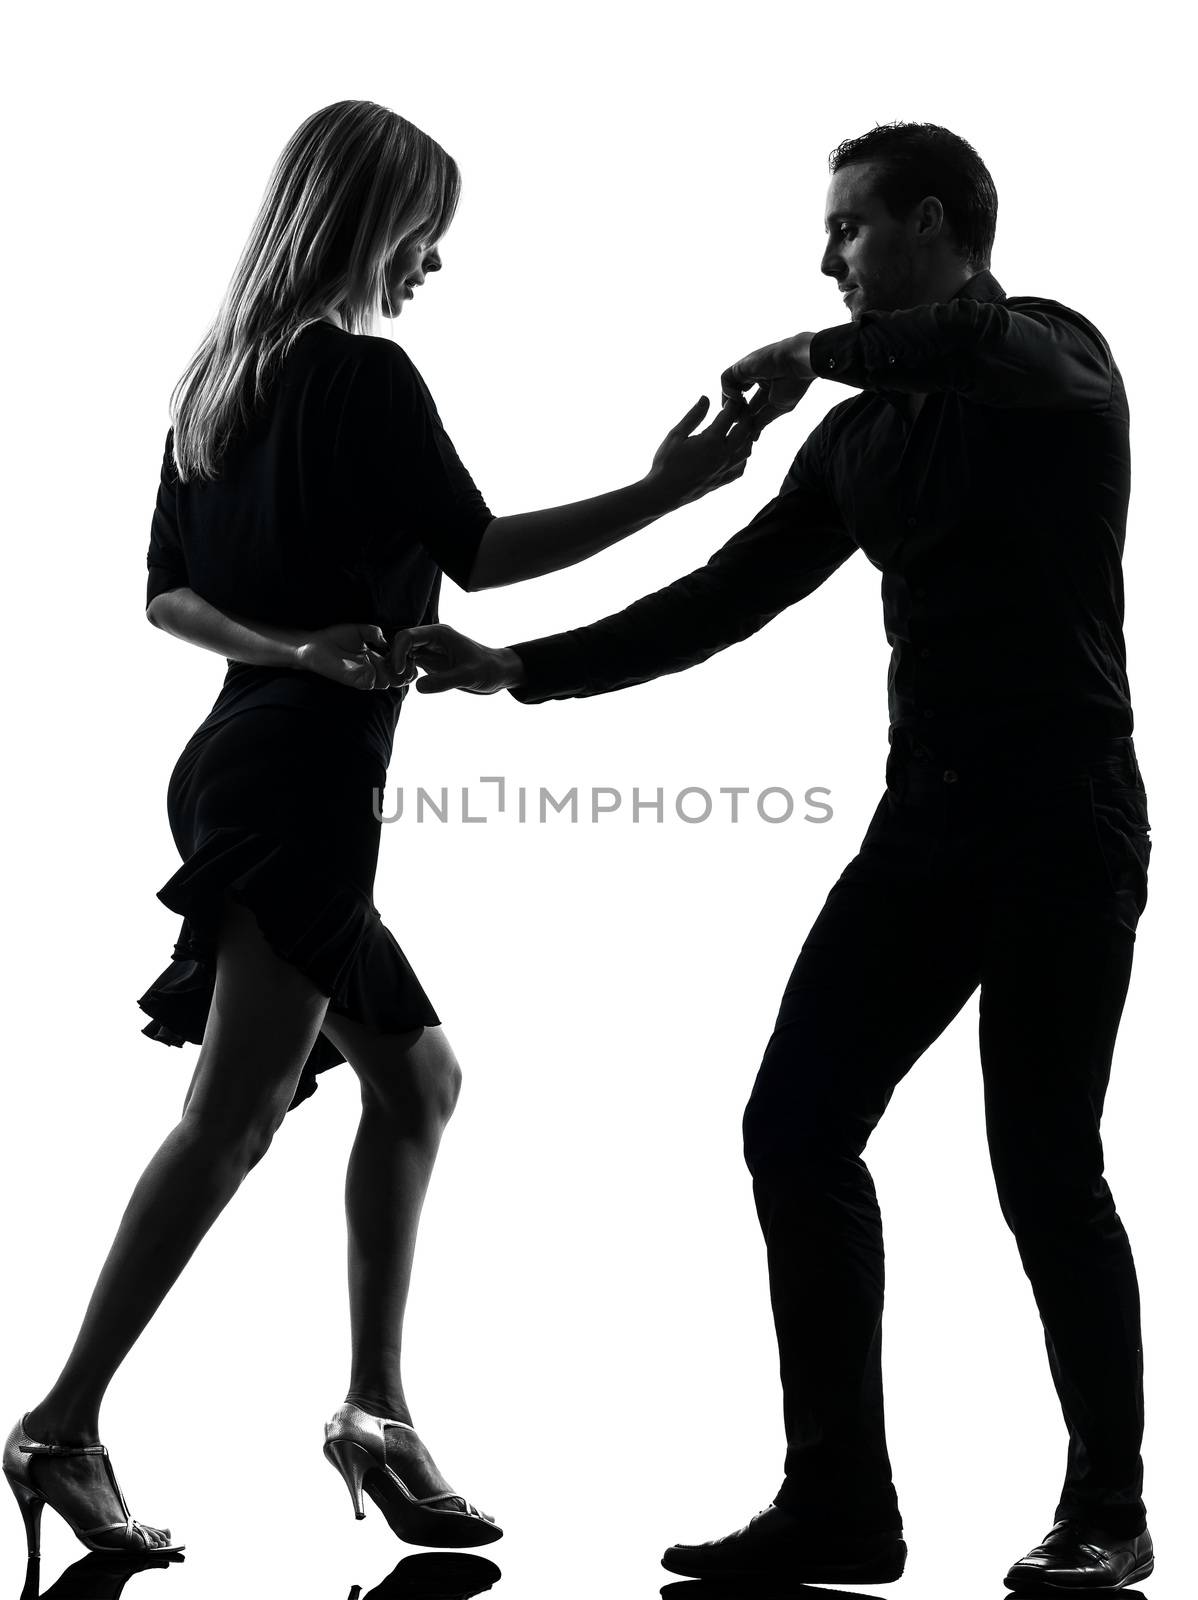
(685, 467)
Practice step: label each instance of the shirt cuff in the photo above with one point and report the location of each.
(549, 666)
(836, 353)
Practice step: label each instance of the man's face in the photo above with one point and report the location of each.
(873, 256)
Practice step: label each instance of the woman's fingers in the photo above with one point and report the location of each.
(697, 412)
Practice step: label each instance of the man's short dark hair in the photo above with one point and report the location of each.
(916, 159)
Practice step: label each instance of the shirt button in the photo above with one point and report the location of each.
(929, 713)
(925, 652)
(890, 360)
(920, 594)
(950, 776)
(910, 522)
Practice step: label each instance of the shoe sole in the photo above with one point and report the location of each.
(1036, 1585)
(881, 1569)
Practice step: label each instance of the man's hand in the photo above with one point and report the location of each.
(783, 373)
(352, 653)
(449, 660)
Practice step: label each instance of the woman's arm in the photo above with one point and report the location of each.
(351, 653)
(685, 468)
(189, 616)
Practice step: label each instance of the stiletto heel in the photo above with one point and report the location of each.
(356, 1444)
(353, 1463)
(123, 1537)
(31, 1504)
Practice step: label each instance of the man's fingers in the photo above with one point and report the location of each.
(451, 678)
(409, 642)
(734, 380)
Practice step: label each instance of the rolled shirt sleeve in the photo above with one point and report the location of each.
(791, 546)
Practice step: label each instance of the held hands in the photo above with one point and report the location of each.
(783, 374)
(449, 660)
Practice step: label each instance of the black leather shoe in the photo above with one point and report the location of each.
(1076, 1557)
(773, 1544)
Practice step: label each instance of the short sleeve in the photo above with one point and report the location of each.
(167, 568)
(431, 496)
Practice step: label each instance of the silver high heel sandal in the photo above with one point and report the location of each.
(356, 1444)
(127, 1537)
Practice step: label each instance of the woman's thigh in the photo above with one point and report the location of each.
(264, 1019)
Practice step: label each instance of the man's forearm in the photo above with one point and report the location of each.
(535, 542)
(188, 616)
(1034, 354)
(789, 549)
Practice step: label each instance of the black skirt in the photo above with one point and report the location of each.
(275, 807)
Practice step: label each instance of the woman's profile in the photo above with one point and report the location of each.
(307, 480)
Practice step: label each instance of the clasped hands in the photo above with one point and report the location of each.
(361, 656)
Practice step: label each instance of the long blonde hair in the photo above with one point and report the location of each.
(354, 183)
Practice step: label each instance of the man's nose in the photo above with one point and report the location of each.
(830, 264)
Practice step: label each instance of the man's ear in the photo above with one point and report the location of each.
(930, 219)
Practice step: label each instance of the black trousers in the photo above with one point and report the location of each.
(1025, 872)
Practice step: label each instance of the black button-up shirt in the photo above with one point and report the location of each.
(996, 517)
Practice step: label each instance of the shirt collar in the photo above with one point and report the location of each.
(982, 286)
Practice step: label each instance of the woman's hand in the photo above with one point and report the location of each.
(449, 660)
(689, 465)
(353, 653)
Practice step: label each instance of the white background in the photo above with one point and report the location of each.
(590, 1354)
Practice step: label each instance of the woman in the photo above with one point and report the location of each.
(307, 478)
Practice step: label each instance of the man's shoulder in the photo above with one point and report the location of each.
(1047, 306)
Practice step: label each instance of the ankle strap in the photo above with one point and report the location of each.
(33, 1448)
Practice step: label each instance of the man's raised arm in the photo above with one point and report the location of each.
(791, 546)
(1026, 352)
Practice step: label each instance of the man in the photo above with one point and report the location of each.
(984, 469)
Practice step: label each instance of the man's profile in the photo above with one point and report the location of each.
(984, 470)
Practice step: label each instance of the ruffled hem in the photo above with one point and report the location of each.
(330, 930)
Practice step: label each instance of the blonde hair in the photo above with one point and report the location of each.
(354, 183)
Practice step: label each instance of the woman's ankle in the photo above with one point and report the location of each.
(52, 1422)
(394, 1408)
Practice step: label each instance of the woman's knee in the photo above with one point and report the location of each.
(419, 1084)
(229, 1137)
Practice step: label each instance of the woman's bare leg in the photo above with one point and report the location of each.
(409, 1085)
(264, 1019)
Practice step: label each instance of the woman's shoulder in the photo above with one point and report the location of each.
(368, 349)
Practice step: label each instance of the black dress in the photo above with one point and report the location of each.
(343, 502)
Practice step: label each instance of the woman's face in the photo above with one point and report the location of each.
(406, 271)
